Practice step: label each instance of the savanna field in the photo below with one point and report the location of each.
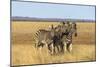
(24, 53)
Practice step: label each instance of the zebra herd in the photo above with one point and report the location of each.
(58, 39)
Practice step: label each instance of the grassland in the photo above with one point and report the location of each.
(24, 52)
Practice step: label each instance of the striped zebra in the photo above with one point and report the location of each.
(60, 36)
(67, 36)
(44, 38)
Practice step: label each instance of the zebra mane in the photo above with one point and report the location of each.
(43, 30)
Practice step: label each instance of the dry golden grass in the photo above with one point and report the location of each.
(24, 52)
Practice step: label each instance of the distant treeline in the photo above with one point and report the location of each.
(49, 19)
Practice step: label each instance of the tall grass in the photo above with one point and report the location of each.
(24, 52)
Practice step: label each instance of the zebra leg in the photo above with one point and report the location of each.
(50, 47)
(69, 47)
(65, 48)
(54, 47)
(58, 49)
(62, 47)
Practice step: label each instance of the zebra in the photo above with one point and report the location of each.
(57, 37)
(67, 37)
(44, 38)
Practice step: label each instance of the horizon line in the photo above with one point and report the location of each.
(17, 18)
